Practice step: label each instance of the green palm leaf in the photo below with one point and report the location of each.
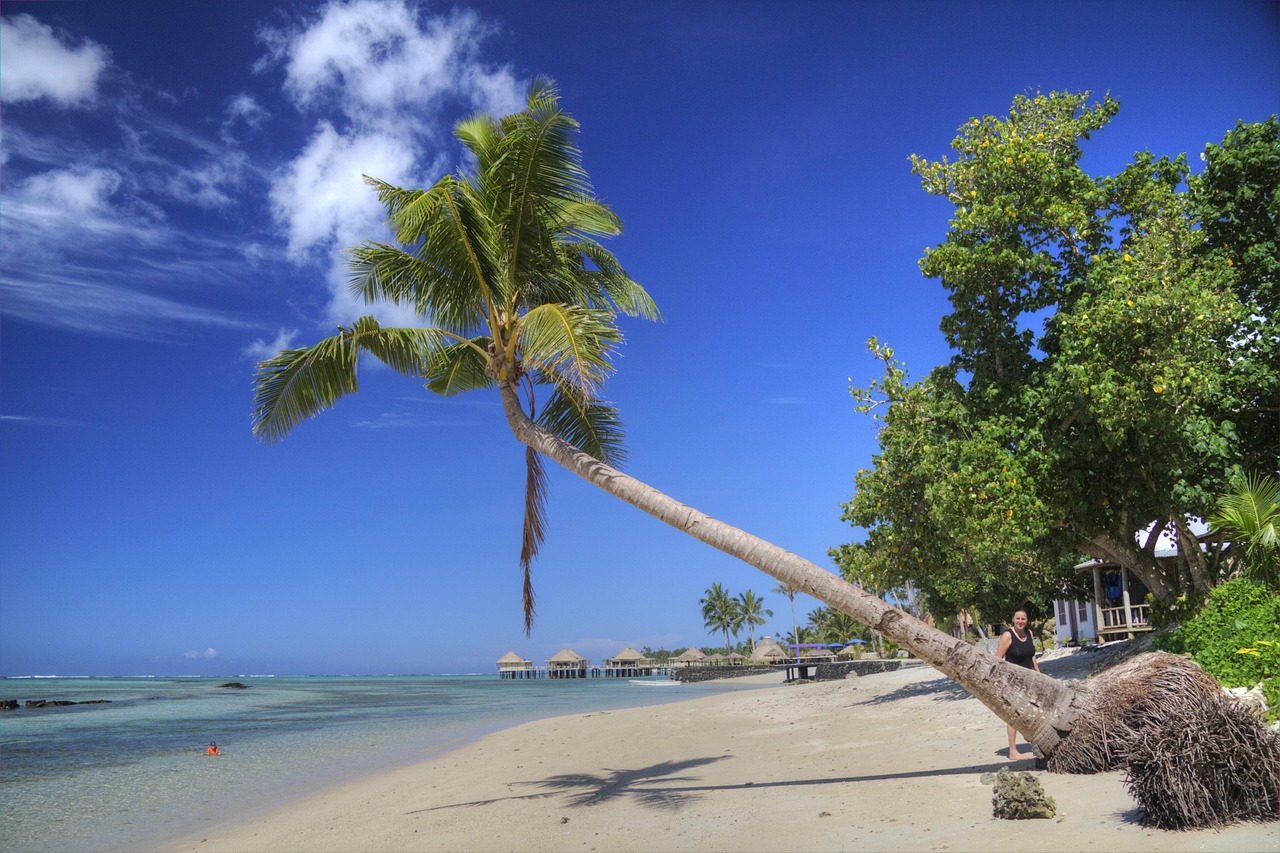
(459, 367)
(590, 425)
(298, 384)
(569, 342)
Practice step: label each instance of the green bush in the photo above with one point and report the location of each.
(1235, 638)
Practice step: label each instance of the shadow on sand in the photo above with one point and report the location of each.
(668, 787)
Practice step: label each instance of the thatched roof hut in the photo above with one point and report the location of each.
(691, 656)
(512, 662)
(767, 650)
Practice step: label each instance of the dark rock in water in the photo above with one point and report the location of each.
(8, 704)
(95, 702)
(46, 703)
(235, 685)
(1018, 796)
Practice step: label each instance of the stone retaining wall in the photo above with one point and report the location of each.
(824, 671)
(692, 674)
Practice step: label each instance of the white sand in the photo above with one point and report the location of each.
(883, 762)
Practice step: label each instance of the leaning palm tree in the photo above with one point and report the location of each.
(753, 612)
(515, 292)
(720, 613)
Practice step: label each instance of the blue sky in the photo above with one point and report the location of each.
(179, 180)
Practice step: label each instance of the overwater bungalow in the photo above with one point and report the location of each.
(567, 663)
(628, 663)
(511, 665)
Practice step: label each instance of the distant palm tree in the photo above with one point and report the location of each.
(1250, 518)
(751, 608)
(842, 628)
(790, 592)
(802, 634)
(720, 613)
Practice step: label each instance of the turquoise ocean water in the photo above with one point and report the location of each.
(131, 773)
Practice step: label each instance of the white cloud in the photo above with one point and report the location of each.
(261, 349)
(375, 59)
(36, 63)
(321, 198)
(68, 195)
(386, 86)
(207, 654)
(245, 108)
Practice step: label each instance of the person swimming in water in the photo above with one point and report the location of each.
(213, 749)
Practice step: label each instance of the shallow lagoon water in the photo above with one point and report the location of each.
(132, 773)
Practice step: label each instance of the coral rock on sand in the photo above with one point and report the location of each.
(1018, 796)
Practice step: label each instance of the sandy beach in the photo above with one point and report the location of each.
(883, 762)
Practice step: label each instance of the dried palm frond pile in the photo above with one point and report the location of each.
(1194, 757)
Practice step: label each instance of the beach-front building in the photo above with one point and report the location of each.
(567, 663)
(692, 656)
(1119, 608)
(511, 665)
(628, 663)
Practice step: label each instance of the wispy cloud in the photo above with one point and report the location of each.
(89, 239)
(139, 222)
(33, 420)
(261, 349)
(207, 654)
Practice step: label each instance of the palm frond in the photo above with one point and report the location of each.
(541, 170)
(1252, 514)
(459, 367)
(535, 527)
(297, 384)
(590, 425)
(570, 342)
(612, 281)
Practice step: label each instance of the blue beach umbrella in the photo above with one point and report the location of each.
(856, 643)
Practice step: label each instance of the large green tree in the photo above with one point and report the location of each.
(503, 266)
(1108, 378)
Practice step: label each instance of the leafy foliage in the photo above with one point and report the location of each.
(1234, 637)
(1113, 371)
(1250, 518)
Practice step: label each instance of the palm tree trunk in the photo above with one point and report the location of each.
(1039, 707)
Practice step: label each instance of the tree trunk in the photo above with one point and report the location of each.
(1041, 708)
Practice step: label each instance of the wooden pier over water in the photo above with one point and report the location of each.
(567, 663)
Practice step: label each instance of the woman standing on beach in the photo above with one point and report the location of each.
(1017, 648)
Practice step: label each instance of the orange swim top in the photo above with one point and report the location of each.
(213, 750)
